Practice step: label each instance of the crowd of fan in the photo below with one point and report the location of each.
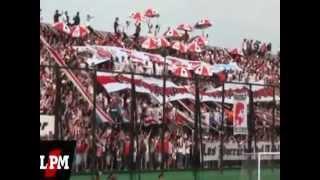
(113, 143)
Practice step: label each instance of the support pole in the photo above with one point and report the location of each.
(273, 119)
(133, 126)
(273, 131)
(259, 164)
(222, 130)
(163, 112)
(58, 129)
(93, 119)
(196, 159)
(198, 120)
(250, 120)
(251, 127)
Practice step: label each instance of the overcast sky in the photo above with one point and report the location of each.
(232, 20)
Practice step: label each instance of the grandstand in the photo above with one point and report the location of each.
(139, 110)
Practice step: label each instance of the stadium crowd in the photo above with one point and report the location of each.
(111, 145)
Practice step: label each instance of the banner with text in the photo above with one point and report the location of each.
(236, 152)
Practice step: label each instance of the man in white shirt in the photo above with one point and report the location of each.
(65, 18)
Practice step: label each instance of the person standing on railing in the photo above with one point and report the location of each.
(137, 32)
(65, 18)
(76, 19)
(56, 16)
(116, 26)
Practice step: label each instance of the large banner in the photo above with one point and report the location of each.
(103, 53)
(240, 125)
(236, 152)
(113, 83)
(46, 125)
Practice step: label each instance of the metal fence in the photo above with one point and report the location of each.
(196, 159)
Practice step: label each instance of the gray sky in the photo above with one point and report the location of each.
(232, 20)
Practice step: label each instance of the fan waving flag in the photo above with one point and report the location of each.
(79, 31)
(62, 27)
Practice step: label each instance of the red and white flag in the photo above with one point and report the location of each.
(151, 13)
(180, 46)
(62, 27)
(137, 17)
(201, 40)
(79, 31)
(172, 33)
(163, 42)
(203, 70)
(194, 47)
(150, 43)
(240, 125)
(110, 83)
(181, 72)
